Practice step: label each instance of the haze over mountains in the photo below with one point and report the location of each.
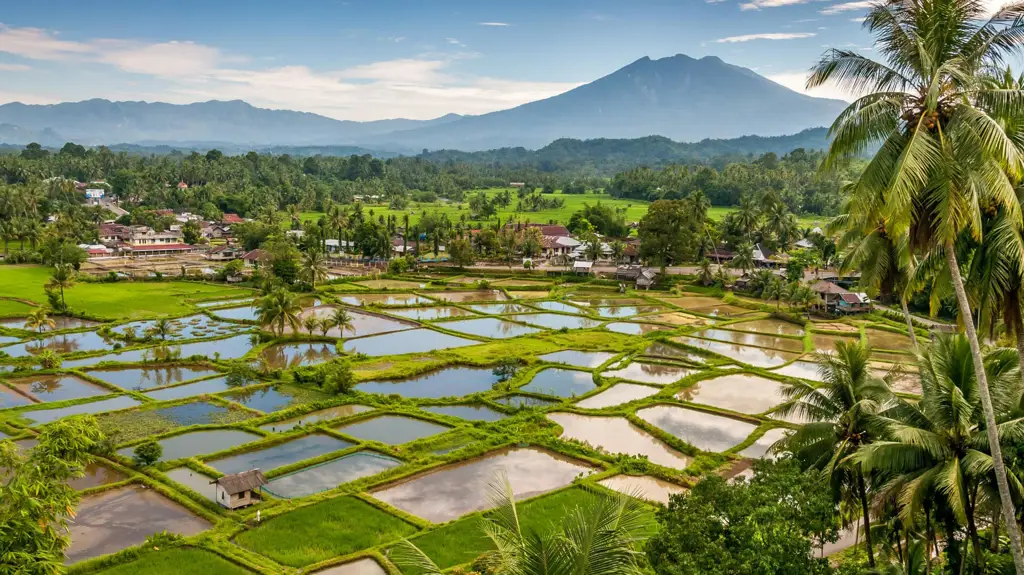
(679, 97)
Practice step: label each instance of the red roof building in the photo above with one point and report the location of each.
(232, 219)
(182, 185)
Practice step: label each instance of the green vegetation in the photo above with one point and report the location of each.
(175, 561)
(323, 531)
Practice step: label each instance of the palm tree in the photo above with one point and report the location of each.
(704, 273)
(944, 154)
(314, 266)
(744, 258)
(63, 278)
(775, 290)
(601, 538)
(838, 414)
(749, 217)
(341, 319)
(618, 250)
(278, 309)
(936, 449)
(311, 322)
(39, 319)
(405, 234)
(325, 325)
(161, 328)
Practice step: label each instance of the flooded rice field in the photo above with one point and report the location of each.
(391, 284)
(649, 488)
(287, 453)
(576, 358)
(450, 381)
(391, 429)
(618, 435)
(761, 446)
(667, 351)
(84, 341)
(47, 415)
(363, 324)
(756, 356)
(243, 313)
(289, 355)
(273, 398)
(561, 382)
(617, 395)
(656, 373)
(469, 412)
(315, 417)
(366, 566)
(197, 326)
(882, 339)
(753, 339)
(490, 327)
(411, 341)
(556, 321)
(556, 306)
(471, 296)
(148, 377)
(431, 313)
(46, 388)
(615, 312)
(196, 443)
(737, 392)
(113, 520)
(500, 308)
(205, 387)
(383, 299)
(770, 327)
(824, 342)
(628, 328)
(193, 480)
(61, 322)
(96, 474)
(454, 490)
(702, 430)
(516, 401)
(330, 474)
(220, 303)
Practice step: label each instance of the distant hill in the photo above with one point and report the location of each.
(680, 98)
(606, 156)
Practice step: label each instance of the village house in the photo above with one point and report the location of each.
(558, 246)
(545, 229)
(230, 219)
(256, 258)
(225, 253)
(839, 300)
(239, 490)
(582, 268)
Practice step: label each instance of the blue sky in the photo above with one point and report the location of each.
(372, 59)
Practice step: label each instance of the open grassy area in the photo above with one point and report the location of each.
(177, 561)
(10, 307)
(329, 529)
(633, 209)
(123, 300)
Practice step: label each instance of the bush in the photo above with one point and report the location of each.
(147, 453)
(398, 266)
(49, 359)
(338, 378)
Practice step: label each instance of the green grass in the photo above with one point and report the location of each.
(176, 561)
(323, 531)
(123, 300)
(633, 209)
(11, 307)
(463, 541)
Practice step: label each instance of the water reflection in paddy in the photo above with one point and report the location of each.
(330, 475)
(129, 356)
(578, 358)
(617, 395)
(244, 313)
(618, 435)
(826, 342)
(148, 377)
(411, 341)
(113, 520)
(761, 446)
(702, 430)
(800, 369)
(198, 443)
(483, 295)
(500, 308)
(48, 415)
(753, 339)
(556, 321)
(315, 417)
(490, 327)
(383, 299)
(274, 398)
(522, 401)
(391, 429)
(737, 392)
(556, 306)
(455, 490)
(635, 328)
(770, 326)
(198, 326)
(650, 373)
(279, 455)
(756, 356)
(362, 323)
(658, 349)
(57, 387)
(452, 381)
(229, 348)
(649, 488)
(289, 355)
(624, 311)
(61, 322)
(470, 412)
(197, 482)
(431, 313)
(561, 382)
(208, 386)
(61, 344)
(96, 474)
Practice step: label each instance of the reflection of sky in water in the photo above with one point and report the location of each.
(453, 381)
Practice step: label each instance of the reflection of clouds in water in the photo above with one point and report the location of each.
(702, 430)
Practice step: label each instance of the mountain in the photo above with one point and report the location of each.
(104, 122)
(679, 97)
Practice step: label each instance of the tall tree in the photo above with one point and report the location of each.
(313, 267)
(667, 234)
(944, 154)
(39, 319)
(279, 309)
(62, 278)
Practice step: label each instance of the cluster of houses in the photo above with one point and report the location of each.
(140, 241)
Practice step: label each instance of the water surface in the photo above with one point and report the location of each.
(315, 417)
(470, 412)
(759, 449)
(658, 349)
(331, 474)
(84, 341)
(46, 388)
(618, 435)
(617, 395)
(522, 401)
(391, 429)
(826, 342)
(500, 308)
(737, 392)
(363, 324)
(770, 326)
(197, 482)
(556, 321)
(556, 306)
(635, 328)
(454, 490)
(198, 443)
(244, 313)
(221, 302)
(273, 398)
(411, 341)
(365, 566)
(431, 313)
(289, 355)
(279, 455)
(756, 356)
(197, 326)
(490, 327)
(205, 387)
(561, 382)
(753, 339)
(702, 430)
(11, 398)
(483, 295)
(149, 377)
(800, 369)
(383, 299)
(47, 415)
(61, 322)
(96, 474)
(450, 381)
(625, 311)
(655, 373)
(646, 487)
(578, 358)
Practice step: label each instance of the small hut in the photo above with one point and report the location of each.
(235, 491)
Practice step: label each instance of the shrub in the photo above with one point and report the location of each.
(147, 453)
(49, 359)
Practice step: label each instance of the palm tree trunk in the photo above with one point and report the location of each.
(991, 430)
(910, 322)
(1018, 334)
(863, 494)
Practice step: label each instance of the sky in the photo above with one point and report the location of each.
(374, 59)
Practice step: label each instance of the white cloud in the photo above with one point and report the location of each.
(499, 24)
(766, 36)
(797, 81)
(758, 4)
(858, 20)
(425, 86)
(14, 68)
(847, 7)
(455, 42)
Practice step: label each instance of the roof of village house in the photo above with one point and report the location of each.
(582, 265)
(257, 255)
(545, 229)
(161, 247)
(828, 288)
(242, 482)
(232, 219)
(855, 298)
